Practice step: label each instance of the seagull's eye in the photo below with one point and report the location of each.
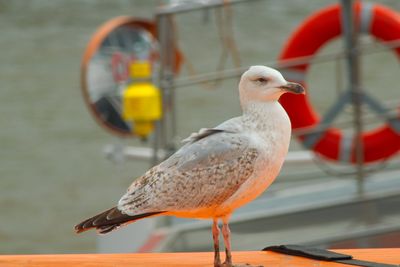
(262, 80)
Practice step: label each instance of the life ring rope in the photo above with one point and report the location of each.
(393, 122)
(313, 138)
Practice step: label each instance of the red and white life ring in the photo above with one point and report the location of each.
(320, 28)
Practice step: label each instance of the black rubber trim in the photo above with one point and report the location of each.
(323, 255)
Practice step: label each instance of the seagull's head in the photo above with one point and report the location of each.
(262, 84)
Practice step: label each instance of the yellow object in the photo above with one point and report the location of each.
(140, 69)
(143, 128)
(141, 103)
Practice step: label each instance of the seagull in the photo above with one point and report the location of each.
(218, 169)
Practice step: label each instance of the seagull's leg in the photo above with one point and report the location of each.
(215, 233)
(226, 232)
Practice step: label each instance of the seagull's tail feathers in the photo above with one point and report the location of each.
(110, 220)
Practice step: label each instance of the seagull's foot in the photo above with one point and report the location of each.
(217, 261)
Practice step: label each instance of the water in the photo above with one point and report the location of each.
(52, 168)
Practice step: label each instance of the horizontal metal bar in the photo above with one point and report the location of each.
(194, 5)
(146, 153)
(281, 65)
(119, 152)
(301, 156)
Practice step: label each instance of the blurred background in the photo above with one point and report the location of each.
(53, 168)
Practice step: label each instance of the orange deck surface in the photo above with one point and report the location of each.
(267, 259)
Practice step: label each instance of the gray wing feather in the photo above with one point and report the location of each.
(201, 174)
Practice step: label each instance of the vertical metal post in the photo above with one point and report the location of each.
(167, 125)
(166, 38)
(350, 32)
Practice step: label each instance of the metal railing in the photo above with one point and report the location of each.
(166, 130)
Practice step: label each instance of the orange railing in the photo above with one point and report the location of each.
(270, 259)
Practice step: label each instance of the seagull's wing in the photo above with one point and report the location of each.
(203, 173)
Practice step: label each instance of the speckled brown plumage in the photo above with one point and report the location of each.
(194, 178)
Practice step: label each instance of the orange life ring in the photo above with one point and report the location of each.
(321, 27)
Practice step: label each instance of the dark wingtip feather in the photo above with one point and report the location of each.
(109, 220)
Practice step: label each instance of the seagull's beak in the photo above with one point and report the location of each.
(295, 88)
